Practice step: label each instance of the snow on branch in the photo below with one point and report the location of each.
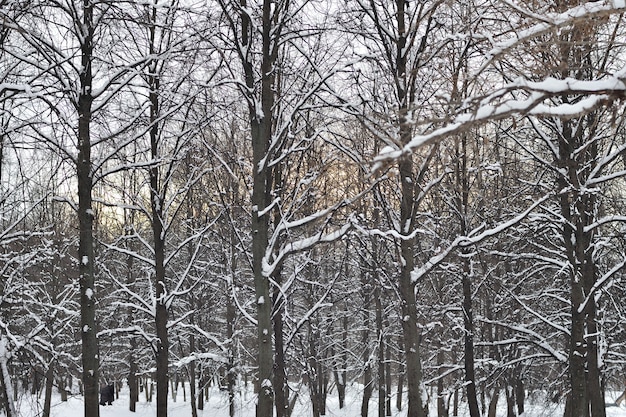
(534, 338)
(550, 21)
(599, 93)
(472, 239)
(605, 280)
(503, 102)
(199, 356)
(302, 245)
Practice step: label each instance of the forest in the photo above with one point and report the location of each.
(424, 199)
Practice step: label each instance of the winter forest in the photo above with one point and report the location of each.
(408, 207)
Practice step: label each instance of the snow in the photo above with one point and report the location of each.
(217, 406)
(5, 355)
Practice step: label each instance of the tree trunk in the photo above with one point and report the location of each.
(48, 393)
(191, 370)
(410, 330)
(230, 333)
(90, 361)
(201, 382)
(368, 381)
(594, 373)
(470, 377)
(442, 405)
(5, 380)
(382, 394)
(493, 403)
(520, 396)
(388, 373)
(261, 136)
(280, 377)
(133, 368)
(510, 401)
(132, 377)
(162, 343)
(462, 184)
(339, 374)
(400, 391)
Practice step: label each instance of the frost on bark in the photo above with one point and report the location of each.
(90, 361)
(5, 379)
(260, 112)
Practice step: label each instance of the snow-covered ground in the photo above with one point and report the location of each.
(217, 407)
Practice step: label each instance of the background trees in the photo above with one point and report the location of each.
(480, 256)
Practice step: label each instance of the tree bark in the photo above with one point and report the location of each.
(5, 381)
(261, 135)
(412, 337)
(156, 198)
(132, 377)
(368, 381)
(462, 185)
(520, 396)
(280, 377)
(442, 406)
(382, 394)
(401, 372)
(48, 393)
(90, 361)
(388, 373)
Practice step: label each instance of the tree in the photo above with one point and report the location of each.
(404, 37)
(280, 103)
(165, 112)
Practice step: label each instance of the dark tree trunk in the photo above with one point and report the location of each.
(281, 391)
(400, 391)
(442, 405)
(90, 361)
(382, 394)
(339, 374)
(161, 315)
(493, 403)
(368, 381)
(5, 387)
(462, 184)
(261, 135)
(132, 377)
(201, 383)
(412, 337)
(48, 393)
(133, 368)
(388, 373)
(510, 401)
(230, 332)
(594, 373)
(520, 396)
(63, 383)
(470, 377)
(280, 377)
(191, 370)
